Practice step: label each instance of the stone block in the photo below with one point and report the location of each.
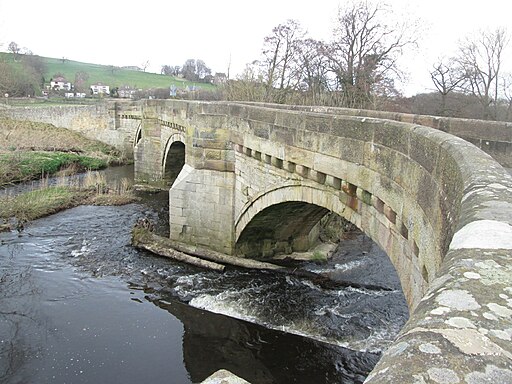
(390, 214)
(316, 176)
(393, 136)
(302, 170)
(276, 162)
(289, 166)
(289, 119)
(321, 124)
(360, 129)
(333, 182)
(283, 135)
(212, 154)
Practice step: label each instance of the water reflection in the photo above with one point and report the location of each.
(112, 173)
(260, 355)
(20, 324)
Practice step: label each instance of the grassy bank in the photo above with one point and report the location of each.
(19, 209)
(31, 150)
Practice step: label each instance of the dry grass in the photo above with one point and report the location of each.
(31, 150)
(38, 203)
(46, 200)
(27, 135)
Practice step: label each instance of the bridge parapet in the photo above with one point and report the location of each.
(493, 137)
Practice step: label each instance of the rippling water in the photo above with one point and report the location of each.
(79, 305)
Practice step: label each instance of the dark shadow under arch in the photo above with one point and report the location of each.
(174, 162)
(280, 228)
(138, 135)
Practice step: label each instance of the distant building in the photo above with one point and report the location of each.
(70, 95)
(100, 89)
(126, 92)
(132, 68)
(220, 78)
(59, 83)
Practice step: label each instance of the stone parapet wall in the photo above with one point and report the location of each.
(493, 137)
(461, 331)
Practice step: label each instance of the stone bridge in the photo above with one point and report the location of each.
(255, 179)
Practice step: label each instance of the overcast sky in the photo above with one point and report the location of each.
(223, 31)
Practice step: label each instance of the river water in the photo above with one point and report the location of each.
(78, 304)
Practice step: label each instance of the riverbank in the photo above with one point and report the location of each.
(31, 150)
(36, 151)
(17, 210)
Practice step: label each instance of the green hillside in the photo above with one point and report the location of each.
(109, 75)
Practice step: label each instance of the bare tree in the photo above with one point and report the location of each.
(145, 65)
(446, 78)
(202, 70)
(481, 59)
(364, 51)
(189, 71)
(170, 70)
(81, 78)
(507, 94)
(14, 49)
(166, 70)
(312, 70)
(6, 78)
(279, 56)
(248, 86)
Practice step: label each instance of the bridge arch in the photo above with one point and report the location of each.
(300, 191)
(174, 157)
(308, 202)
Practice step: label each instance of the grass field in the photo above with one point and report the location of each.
(110, 75)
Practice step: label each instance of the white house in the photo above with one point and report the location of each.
(99, 88)
(126, 92)
(60, 83)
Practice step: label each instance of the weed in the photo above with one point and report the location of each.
(318, 257)
(21, 166)
(40, 202)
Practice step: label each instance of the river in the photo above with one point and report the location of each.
(78, 304)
